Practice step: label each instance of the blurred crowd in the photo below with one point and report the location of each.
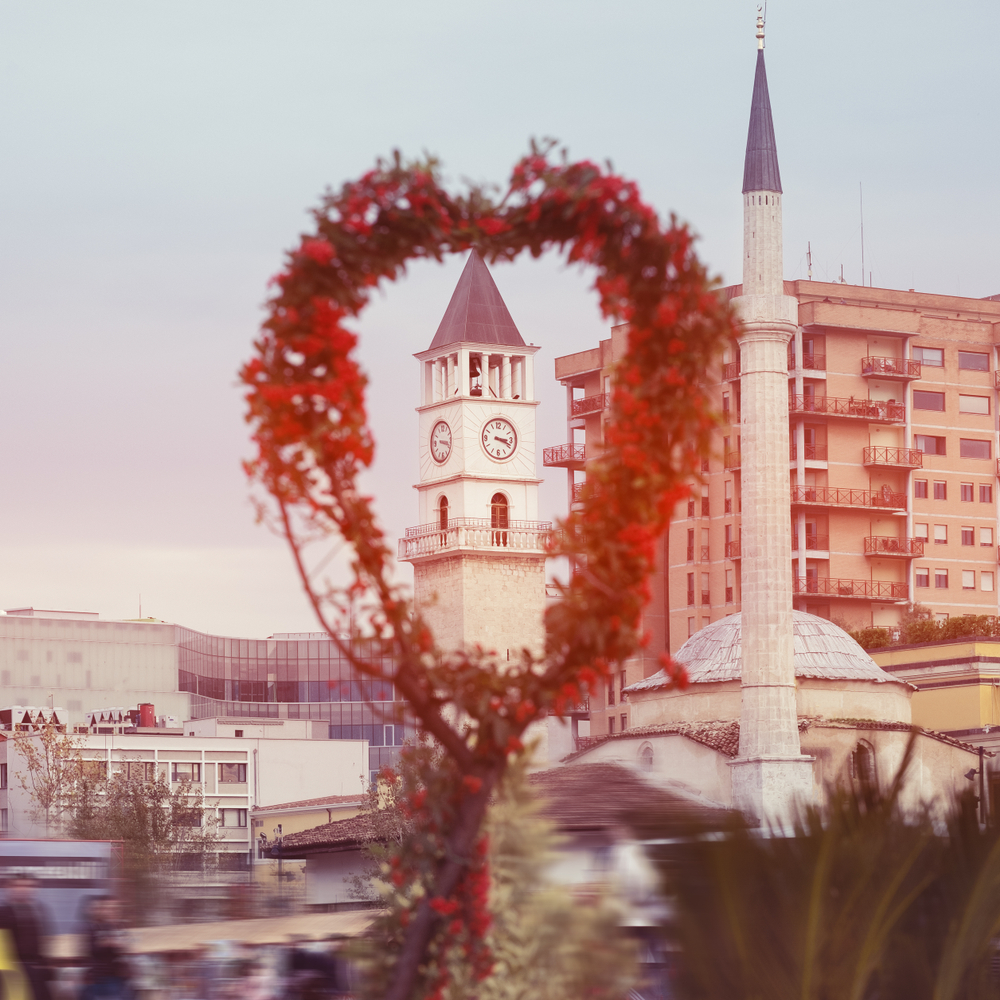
(107, 970)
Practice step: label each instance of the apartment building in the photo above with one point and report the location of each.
(893, 464)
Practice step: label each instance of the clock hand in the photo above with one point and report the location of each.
(501, 440)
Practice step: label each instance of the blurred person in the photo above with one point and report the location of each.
(25, 920)
(108, 970)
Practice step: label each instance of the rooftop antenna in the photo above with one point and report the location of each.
(861, 202)
(842, 275)
(809, 258)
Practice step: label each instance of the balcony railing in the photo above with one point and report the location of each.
(566, 456)
(474, 533)
(865, 590)
(591, 404)
(813, 452)
(578, 492)
(731, 460)
(811, 361)
(885, 545)
(897, 458)
(877, 410)
(996, 378)
(902, 369)
(731, 371)
(835, 496)
(733, 550)
(814, 543)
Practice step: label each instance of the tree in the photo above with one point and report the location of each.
(306, 405)
(53, 769)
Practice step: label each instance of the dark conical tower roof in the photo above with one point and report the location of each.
(477, 313)
(760, 169)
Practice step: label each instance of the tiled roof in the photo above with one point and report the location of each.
(477, 313)
(760, 168)
(341, 833)
(326, 800)
(724, 737)
(822, 650)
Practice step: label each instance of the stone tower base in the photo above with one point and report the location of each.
(768, 790)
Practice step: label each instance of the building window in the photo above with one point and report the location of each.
(499, 518)
(986, 581)
(974, 404)
(940, 534)
(729, 586)
(443, 514)
(941, 579)
(986, 536)
(725, 407)
(233, 817)
(704, 465)
(923, 577)
(238, 732)
(985, 493)
(690, 591)
(3, 821)
(729, 496)
(704, 545)
(968, 535)
(3, 775)
(611, 726)
(190, 817)
(941, 617)
(968, 579)
(705, 510)
(139, 770)
(920, 489)
(611, 691)
(705, 594)
(933, 356)
(940, 491)
(690, 627)
(921, 531)
(974, 448)
(186, 772)
(924, 400)
(973, 361)
(230, 773)
(965, 492)
(646, 757)
(690, 508)
(624, 720)
(622, 684)
(929, 444)
(690, 545)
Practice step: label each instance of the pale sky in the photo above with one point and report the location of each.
(157, 160)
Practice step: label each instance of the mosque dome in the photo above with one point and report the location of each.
(835, 677)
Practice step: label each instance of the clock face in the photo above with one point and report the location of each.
(499, 438)
(440, 442)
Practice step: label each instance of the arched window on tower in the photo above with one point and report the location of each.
(499, 518)
(646, 757)
(443, 518)
(863, 766)
(475, 374)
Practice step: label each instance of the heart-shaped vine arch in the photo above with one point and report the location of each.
(306, 396)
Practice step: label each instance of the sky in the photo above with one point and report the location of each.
(156, 161)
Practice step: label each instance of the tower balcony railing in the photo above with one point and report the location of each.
(898, 369)
(864, 590)
(477, 533)
(872, 410)
(731, 459)
(836, 496)
(901, 548)
(896, 458)
(591, 404)
(811, 452)
(565, 456)
(731, 371)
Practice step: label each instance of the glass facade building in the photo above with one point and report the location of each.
(298, 676)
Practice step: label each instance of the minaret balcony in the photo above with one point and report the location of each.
(836, 496)
(474, 534)
(862, 590)
(893, 458)
(591, 404)
(898, 548)
(894, 369)
(879, 411)
(565, 456)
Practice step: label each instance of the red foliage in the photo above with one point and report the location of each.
(306, 396)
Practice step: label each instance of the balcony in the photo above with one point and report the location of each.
(894, 458)
(731, 371)
(897, 369)
(476, 534)
(578, 492)
(901, 548)
(863, 590)
(814, 543)
(731, 460)
(565, 456)
(813, 452)
(733, 550)
(810, 362)
(835, 496)
(872, 410)
(591, 404)
(996, 378)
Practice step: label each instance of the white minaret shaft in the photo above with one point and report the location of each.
(770, 770)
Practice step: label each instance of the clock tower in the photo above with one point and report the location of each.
(478, 551)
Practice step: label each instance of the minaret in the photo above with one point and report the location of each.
(770, 772)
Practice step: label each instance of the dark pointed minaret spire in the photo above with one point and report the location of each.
(760, 168)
